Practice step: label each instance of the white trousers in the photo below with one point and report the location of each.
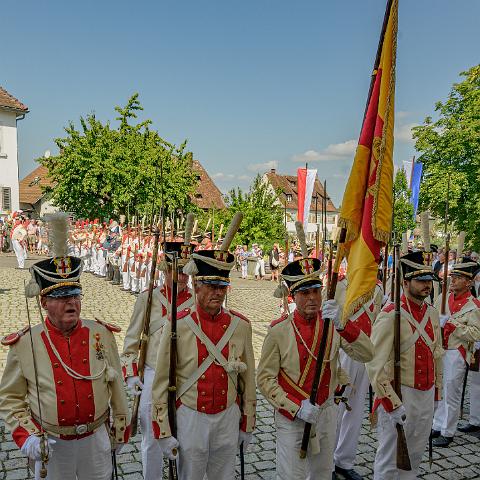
(101, 263)
(317, 466)
(260, 268)
(208, 443)
(419, 407)
(475, 398)
(349, 423)
(152, 458)
(20, 253)
(244, 270)
(88, 458)
(125, 275)
(448, 411)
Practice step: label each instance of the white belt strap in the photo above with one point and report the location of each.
(163, 300)
(419, 332)
(215, 352)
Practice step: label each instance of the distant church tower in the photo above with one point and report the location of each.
(11, 111)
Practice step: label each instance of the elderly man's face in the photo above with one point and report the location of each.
(308, 302)
(63, 312)
(210, 297)
(460, 284)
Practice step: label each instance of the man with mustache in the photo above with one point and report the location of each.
(421, 368)
(286, 370)
(461, 329)
(70, 385)
(215, 373)
(161, 306)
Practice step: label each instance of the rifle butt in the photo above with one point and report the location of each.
(134, 421)
(305, 440)
(172, 470)
(403, 459)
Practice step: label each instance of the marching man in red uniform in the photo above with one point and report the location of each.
(161, 307)
(216, 398)
(70, 385)
(421, 369)
(461, 329)
(286, 369)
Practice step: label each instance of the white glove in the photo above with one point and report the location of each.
(443, 319)
(308, 413)
(169, 446)
(399, 415)
(331, 309)
(133, 382)
(245, 438)
(31, 447)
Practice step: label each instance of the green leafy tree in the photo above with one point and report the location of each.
(450, 152)
(263, 221)
(103, 171)
(403, 210)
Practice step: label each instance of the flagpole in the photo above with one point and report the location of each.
(379, 54)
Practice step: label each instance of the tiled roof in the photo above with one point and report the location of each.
(30, 186)
(288, 184)
(9, 102)
(207, 195)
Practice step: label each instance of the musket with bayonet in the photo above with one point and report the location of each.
(43, 433)
(447, 254)
(425, 225)
(326, 325)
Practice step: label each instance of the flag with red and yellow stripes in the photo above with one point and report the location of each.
(367, 202)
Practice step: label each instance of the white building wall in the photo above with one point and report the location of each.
(9, 158)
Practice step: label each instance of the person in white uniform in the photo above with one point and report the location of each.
(161, 306)
(420, 368)
(461, 329)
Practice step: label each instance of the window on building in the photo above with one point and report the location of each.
(7, 198)
(289, 197)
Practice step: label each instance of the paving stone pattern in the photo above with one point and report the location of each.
(255, 300)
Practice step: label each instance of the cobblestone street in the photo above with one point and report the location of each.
(256, 301)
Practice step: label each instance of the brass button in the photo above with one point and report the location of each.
(84, 360)
(62, 420)
(90, 416)
(223, 392)
(203, 409)
(223, 375)
(62, 401)
(89, 396)
(59, 382)
(203, 377)
(222, 406)
(224, 327)
(84, 342)
(203, 394)
(56, 365)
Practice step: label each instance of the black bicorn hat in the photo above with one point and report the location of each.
(418, 265)
(55, 277)
(466, 266)
(211, 266)
(302, 274)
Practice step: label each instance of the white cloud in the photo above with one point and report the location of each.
(223, 176)
(245, 178)
(334, 151)
(262, 167)
(402, 114)
(403, 133)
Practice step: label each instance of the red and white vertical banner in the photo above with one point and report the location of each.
(305, 184)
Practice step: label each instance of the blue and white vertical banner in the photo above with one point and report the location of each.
(415, 186)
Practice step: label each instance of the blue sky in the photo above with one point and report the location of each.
(251, 84)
